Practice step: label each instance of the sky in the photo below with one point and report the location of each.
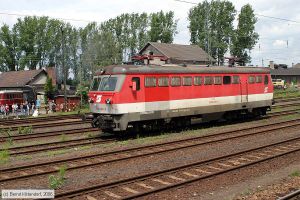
(279, 39)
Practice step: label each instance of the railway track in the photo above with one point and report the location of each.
(30, 170)
(44, 125)
(167, 179)
(280, 100)
(291, 196)
(282, 113)
(47, 134)
(50, 146)
(39, 119)
(285, 105)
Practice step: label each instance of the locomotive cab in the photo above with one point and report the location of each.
(103, 94)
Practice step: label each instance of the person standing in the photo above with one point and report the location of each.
(6, 110)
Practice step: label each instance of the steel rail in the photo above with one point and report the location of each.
(290, 195)
(130, 153)
(47, 134)
(14, 128)
(272, 150)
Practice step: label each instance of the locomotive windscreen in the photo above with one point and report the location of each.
(95, 84)
(108, 84)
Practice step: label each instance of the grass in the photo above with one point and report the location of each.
(63, 137)
(288, 93)
(290, 117)
(25, 130)
(295, 173)
(56, 182)
(4, 156)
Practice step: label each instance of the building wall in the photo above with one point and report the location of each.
(149, 49)
(40, 80)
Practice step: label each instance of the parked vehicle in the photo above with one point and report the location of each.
(278, 83)
(10, 97)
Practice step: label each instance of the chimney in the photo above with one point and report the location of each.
(271, 64)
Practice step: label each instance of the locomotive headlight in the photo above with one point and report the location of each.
(90, 100)
(108, 101)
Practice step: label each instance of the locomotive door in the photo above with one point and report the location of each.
(244, 90)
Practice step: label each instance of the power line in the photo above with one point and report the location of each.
(260, 15)
(26, 15)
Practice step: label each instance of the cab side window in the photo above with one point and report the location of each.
(266, 80)
(138, 82)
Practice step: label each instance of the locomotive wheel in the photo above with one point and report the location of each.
(95, 123)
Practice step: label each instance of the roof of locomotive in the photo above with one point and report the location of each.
(178, 69)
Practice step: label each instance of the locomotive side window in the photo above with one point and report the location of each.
(226, 80)
(197, 80)
(150, 82)
(208, 80)
(175, 81)
(163, 81)
(187, 81)
(258, 79)
(138, 82)
(235, 80)
(266, 80)
(251, 79)
(218, 80)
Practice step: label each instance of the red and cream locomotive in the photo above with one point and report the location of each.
(150, 97)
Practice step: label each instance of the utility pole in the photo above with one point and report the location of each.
(64, 67)
(81, 86)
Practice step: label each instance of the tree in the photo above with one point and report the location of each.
(211, 26)
(9, 52)
(245, 36)
(162, 27)
(49, 89)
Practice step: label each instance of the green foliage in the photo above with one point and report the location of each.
(4, 156)
(25, 130)
(63, 137)
(35, 42)
(288, 93)
(56, 182)
(9, 49)
(162, 27)
(211, 26)
(49, 90)
(295, 174)
(245, 37)
(82, 90)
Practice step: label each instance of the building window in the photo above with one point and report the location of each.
(235, 80)
(208, 80)
(150, 82)
(163, 81)
(226, 80)
(176, 81)
(258, 79)
(218, 80)
(251, 79)
(187, 81)
(197, 80)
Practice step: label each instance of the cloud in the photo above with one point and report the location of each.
(273, 33)
(280, 43)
